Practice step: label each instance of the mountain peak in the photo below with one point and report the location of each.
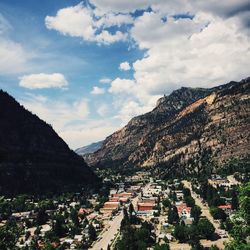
(181, 130)
(33, 158)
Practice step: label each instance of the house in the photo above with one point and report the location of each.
(110, 206)
(184, 210)
(84, 211)
(179, 194)
(123, 195)
(226, 208)
(152, 200)
(145, 206)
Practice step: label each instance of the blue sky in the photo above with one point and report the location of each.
(89, 67)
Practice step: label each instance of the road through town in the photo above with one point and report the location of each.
(114, 225)
(109, 234)
(205, 212)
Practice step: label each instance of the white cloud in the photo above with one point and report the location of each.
(120, 6)
(61, 115)
(4, 25)
(80, 21)
(112, 19)
(73, 21)
(13, 57)
(188, 52)
(106, 37)
(102, 109)
(124, 66)
(130, 109)
(105, 80)
(88, 132)
(122, 86)
(41, 81)
(97, 91)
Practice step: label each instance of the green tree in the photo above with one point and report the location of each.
(173, 216)
(92, 232)
(206, 228)
(195, 213)
(180, 233)
(218, 213)
(241, 222)
(235, 200)
(41, 217)
(162, 247)
(59, 226)
(189, 201)
(74, 217)
(9, 235)
(166, 203)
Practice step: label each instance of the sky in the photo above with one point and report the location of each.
(88, 67)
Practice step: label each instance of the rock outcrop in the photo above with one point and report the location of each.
(187, 128)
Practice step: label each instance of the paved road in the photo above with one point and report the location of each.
(205, 212)
(109, 235)
(204, 207)
(112, 231)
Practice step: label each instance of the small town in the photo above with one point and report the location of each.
(124, 125)
(143, 211)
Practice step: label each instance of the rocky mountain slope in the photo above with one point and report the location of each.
(92, 148)
(186, 128)
(33, 158)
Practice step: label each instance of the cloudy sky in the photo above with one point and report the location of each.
(87, 67)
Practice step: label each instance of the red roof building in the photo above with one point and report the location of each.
(225, 207)
(183, 209)
(145, 206)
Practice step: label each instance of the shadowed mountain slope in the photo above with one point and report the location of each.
(33, 158)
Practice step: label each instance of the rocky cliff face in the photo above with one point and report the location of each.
(185, 129)
(33, 158)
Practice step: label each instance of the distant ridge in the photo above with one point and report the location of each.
(33, 158)
(91, 148)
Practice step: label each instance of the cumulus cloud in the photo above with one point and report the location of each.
(124, 66)
(105, 80)
(73, 21)
(80, 21)
(42, 81)
(112, 19)
(106, 37)
(194, 52)
(97, 91)
(122, 86)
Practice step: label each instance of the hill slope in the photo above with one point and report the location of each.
(33, 158)
(185, 129)
(93, 147)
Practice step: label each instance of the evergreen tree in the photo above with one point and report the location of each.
(92, 232)
(235, 201)
(195, 213)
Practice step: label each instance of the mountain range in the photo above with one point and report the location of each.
(184, 132)
(93, 147)
(33, 158)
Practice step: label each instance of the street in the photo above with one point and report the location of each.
(205, 212)
(110, 233)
